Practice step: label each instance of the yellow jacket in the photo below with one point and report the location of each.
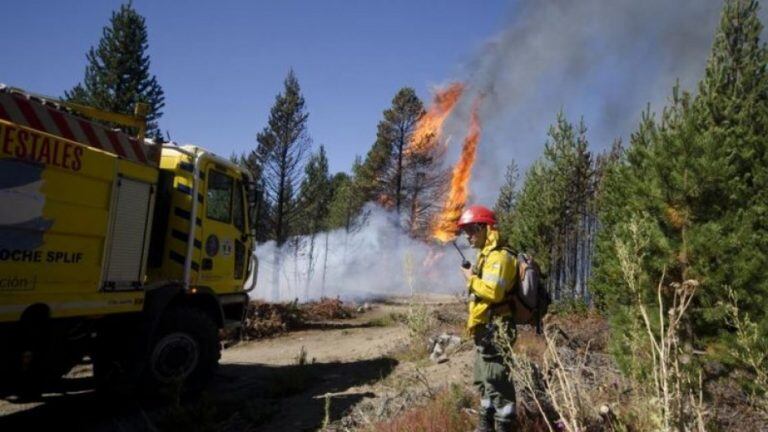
(496, 274)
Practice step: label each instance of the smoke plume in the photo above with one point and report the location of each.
(605, 60)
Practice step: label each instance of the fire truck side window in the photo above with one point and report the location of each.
(238, 211)
(219, 196)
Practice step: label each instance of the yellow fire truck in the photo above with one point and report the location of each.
(132, 253)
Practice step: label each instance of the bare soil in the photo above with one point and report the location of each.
(337, 373)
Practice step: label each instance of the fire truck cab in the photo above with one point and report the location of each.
(127, 252)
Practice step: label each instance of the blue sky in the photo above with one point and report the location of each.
(222, 63)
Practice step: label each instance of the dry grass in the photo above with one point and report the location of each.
(388, 320)
(554, 382)
(447, 411)
(420, 321)
(531, 345)
(582, 327)
(326, 309)
(268, 319)
(751, 351)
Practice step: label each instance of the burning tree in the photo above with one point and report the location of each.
(425, 153)
(401, 171)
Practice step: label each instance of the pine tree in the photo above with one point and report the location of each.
(315, 193)
(695, 180)
(508, 193)
(397, 128)
(349, 197)
(117, 75)
(341, 210)
(314, 199)
(733, 204)
(627, 188)
(552, 216)
(582, 197)
(559, 154)
(505, 203)
(282, 150)
(371, 175)
(532, 225)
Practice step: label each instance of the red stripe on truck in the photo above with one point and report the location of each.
(61, 123)
(138, 150)
(115, 143)
(88, 131)
(29, 114)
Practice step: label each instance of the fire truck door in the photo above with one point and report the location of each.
(223, 261)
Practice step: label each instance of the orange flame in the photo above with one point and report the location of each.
(445, 226)
(430, 125)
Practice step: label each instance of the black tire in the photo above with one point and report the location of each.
(115, 358)
(33, 356)
(184, 353)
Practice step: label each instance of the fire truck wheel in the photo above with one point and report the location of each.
(32, 370)
(185, 351)
(113, 359)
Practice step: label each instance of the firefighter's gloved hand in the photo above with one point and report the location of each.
(472, 297)
(467, 273)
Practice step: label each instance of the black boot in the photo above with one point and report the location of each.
(485, 421)
(505, 425)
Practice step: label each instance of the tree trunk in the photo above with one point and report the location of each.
(275, 282)
(325, 266)
(310, 264)
(399, 172)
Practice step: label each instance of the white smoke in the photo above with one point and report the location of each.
(605, 60)
(376, 260)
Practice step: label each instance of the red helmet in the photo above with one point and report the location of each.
(477, 214)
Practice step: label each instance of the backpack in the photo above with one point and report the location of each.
(529, 299)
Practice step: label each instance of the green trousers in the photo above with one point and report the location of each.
(491, 377)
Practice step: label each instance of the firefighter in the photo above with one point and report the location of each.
(489, 281)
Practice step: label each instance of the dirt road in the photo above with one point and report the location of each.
(294, 382)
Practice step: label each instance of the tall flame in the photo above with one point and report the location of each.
(430, 125)
(445, 226)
